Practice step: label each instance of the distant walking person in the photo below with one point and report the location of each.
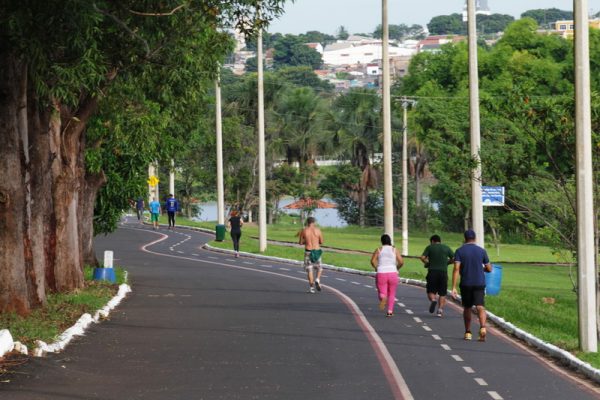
(139, 208)
(172, 206)
(154, 212)
(437, 257)
(471, 261)
(387, 261)
(235, 229)
(312, 239)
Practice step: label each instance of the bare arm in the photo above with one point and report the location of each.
(374, 258)
(487, 267)
(301, 239)
(424, 259)
(455, 277)
(399, 259)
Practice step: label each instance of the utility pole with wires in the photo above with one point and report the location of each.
(388, 197)
(405, 104)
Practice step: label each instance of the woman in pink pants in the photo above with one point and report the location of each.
(386, 260)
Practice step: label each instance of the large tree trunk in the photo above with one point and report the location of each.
(91, 186)
(42, 193)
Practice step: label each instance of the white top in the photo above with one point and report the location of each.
(386, 261)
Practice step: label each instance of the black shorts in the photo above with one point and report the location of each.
(472, 296)
(437, 282)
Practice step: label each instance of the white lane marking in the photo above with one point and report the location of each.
(469, 370)
(417, 319)
(369, 286)
(284, 269)
(355, 283)
(170, 248)
(180, 252)
(340, 279)
(230, 259)
(196, 255)
(213, 258)
(495, 396)
(266, 266)
(247, 263)
(436, 337)
(398, 385)
(324, 276)
(302, 272)
(428, 329)
(401, 304)
(481, 382)
(409, 312)
(457, 358)
(446, 347)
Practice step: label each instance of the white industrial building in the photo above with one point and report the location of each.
(344, 53)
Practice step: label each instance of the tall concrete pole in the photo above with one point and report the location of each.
(405, 180)
(388, 198)
(172, 178)
(151, 189)
(586, 276)
(476, 202)
(262, 191)
(219, 133)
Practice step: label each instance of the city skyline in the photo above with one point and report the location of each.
(362, 16)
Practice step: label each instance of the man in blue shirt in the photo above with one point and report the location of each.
(172, 206)
(154, 212)
(471, 261)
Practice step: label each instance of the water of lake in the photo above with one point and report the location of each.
(325, 217)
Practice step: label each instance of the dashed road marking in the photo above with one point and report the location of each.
(446, 347)
(457, 358)
(340, 279)
(213, 258)
(196, 255)
(417, 319)
(436, 337)
(428, 329)
(180, 252)
(369, 286)
(495, 396)
(230, 259)
(409, 312)
(247, 263)
(284, 269)
(481, 382)
(401, 304)
(266, 265)
(355, 283)
(469, 370)
(170, 248)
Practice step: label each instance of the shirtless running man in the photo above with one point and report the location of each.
(312, 238)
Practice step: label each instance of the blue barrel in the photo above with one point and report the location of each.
(493, 280)
(105, 274)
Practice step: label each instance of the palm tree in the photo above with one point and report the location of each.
(357, 118)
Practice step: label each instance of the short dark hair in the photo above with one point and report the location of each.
(436, 239)
(310, 220)
(470, 234)
(386, 240)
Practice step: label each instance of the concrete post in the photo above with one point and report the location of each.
(262, 191)
(219, 132)
(388, 197)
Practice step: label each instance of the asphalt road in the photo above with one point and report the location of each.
(204, 325)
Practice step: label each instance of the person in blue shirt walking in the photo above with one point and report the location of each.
(154, 212)
(172, 206)
(471, 261)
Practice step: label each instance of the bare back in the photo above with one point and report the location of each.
(311, 238)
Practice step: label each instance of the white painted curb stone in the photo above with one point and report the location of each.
(6, 342)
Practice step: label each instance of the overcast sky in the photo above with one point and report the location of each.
(362, 16)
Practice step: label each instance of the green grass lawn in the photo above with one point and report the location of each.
(527, 290)
(61, 312)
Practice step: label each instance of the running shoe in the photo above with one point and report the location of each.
(389, 314)
(440, 313)
(318, 285)
(482, 333)
(432, 306)
(311, 290)
(382, 304)
(468, 336)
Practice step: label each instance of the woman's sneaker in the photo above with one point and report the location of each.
(382, 304)
(482, 333)
(318, 285)
(432, 306)
(468, 336)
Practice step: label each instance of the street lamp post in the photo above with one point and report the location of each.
(262, 191)
(476, 201)
(219, 138)
(388, 198)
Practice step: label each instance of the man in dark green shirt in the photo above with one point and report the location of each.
(437, 257)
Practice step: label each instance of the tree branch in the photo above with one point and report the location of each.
(124, 26)
(173, 11)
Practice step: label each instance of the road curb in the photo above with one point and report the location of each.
(78, 329)
(549, 349)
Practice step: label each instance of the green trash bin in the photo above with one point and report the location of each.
(220, 232)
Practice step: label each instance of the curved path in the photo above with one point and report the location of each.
(203, 325)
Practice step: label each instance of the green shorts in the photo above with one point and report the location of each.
(154, 217)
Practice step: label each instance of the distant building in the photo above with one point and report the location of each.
(349, 54)
(433, 43)
(566, 28)
(481, 8)
(317, 46)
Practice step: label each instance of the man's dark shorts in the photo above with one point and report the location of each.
(472, 296)
(437, 282)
